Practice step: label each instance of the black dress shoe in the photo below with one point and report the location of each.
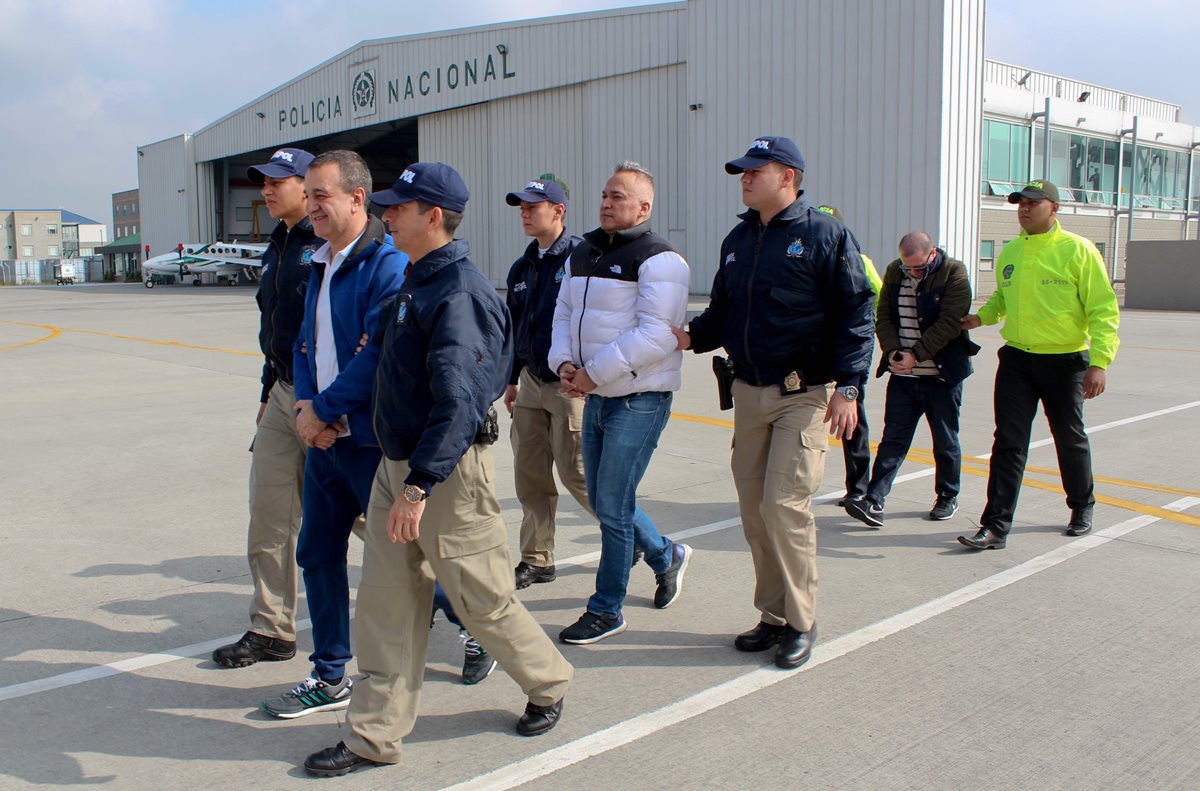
(254, 647)
(538, 719)
(527, 574)
(760, 638)
(1081, 522)
(984, 539)
(795, 647)
(335, 761)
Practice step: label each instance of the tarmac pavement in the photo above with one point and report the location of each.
(1057, 663)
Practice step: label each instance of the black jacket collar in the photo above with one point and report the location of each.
(435, 260)
(792, 212)
(600, 239)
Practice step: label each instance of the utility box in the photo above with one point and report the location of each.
(1162, 275)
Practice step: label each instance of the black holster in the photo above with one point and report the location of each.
(723, 369)
(489, 432)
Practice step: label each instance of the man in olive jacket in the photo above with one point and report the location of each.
(918, 321)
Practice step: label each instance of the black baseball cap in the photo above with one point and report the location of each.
(434, 183)
(284, 163)
(1035, 190)
(768, 149)
(536, 191)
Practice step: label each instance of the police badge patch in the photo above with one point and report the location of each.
(306, 257)
(1008, 270)
(402, 309)
(795, 249)
(560, 274)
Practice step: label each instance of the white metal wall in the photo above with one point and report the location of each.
(541, 54)
(961, 42)
(1042, 84)
(579, 133)
(860, 85)
(166, 180)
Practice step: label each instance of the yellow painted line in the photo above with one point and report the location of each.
(925, 456)
(56, 331)
(973, 465)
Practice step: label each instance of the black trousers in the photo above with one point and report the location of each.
(1022, 380)
(857, 451)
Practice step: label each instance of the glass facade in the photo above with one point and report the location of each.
(1085, 167)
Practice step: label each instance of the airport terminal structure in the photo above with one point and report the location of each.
(902, 122)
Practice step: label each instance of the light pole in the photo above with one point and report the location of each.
(1132, 193)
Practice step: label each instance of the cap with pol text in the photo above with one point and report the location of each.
(768, 149)
(1035, 190)
(536, 191)
(285, 162)
(434, 183)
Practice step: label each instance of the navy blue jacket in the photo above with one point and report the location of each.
(532, 292)
(286, 264)
(790, 296)
(445, 350)
(371, 273)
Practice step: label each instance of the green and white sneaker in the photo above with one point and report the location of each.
(309, 696)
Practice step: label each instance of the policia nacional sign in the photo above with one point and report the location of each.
(365, 92)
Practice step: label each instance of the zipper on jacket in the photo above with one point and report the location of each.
(762, 232)
(278, 268)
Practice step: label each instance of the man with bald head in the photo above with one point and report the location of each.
(918, 321)
(625, 288)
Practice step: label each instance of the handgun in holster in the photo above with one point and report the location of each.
(489, 432)
(723, 369)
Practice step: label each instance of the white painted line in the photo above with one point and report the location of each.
(199, 649)
(629, 731)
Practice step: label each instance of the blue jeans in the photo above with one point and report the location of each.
(337, 487)
(619, 436)
(908, 398)
(442, 602)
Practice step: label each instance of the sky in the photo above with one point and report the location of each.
(85, 82)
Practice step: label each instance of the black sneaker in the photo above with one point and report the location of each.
(254, 647)
(478, 664)
(945, 507)
(591, 628)
(865, 511)
(670, 582)
(527, 574)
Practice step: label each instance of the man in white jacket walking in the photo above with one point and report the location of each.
(625, 287)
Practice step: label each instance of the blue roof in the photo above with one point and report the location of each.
(67, 216)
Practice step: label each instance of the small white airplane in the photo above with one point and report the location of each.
(216, 258)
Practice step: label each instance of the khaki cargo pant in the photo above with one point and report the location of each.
(545, 435)
(464, 545)
(276, 487)
(778, 462)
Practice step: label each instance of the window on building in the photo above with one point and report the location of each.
(52, 228)
(134, 210)
(52, 251)
(1100, 247)
(27, 230)
(987, 255)
(135, 229)
(27, 251)
(1005, 157)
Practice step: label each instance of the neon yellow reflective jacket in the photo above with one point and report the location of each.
(873, 276)
(1054, 296)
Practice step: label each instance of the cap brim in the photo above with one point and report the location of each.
(388, 198)
(258, 173)
(1015, 197)
(517, 198)
(736, 166)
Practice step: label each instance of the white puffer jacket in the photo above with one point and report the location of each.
(619, 328)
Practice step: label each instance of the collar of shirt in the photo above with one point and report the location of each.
(322, 254)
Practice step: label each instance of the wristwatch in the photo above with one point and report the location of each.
(849, 392)
(413, 493)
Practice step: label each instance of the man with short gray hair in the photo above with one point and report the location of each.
(918, 320)
(624, 290)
